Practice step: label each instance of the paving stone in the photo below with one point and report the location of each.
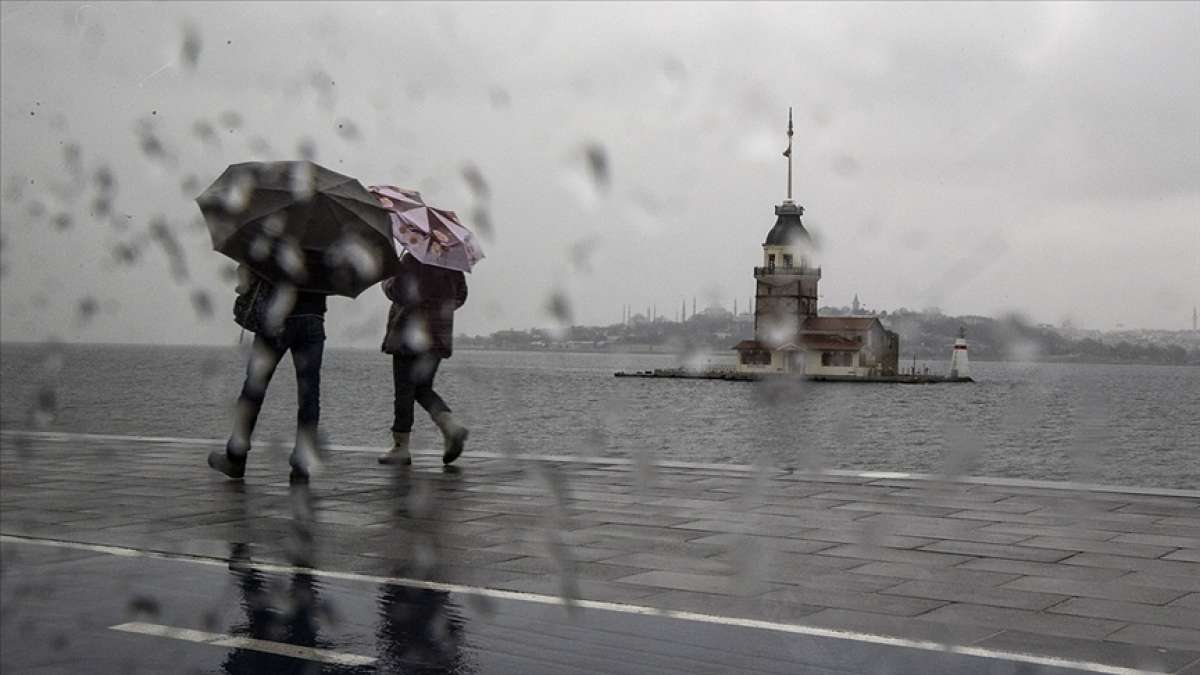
(637, 532)
(1049, 531)
(826, 538)
(1188, 583)
(1160, 636)
(729, 540)
(1140, 657)
(1159, 540)
(544, 549)
(1022, 619)
(1193, 669)
(664, 546)
(998, 551)
(582, 570)
(657, 561)
(881, 507)
(1167, 567)
(700, 583)
(1110, 590)
(892, 555)
(1033, 518)
(920, 526)
(1178, 617)
(875, 603)
(990, 596)
(1092, 546)
(825, 579)
(777, 525)
(1053, 570)
(953, 575)
(1187, 555)
(1178, 509)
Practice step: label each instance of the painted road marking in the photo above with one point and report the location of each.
(224, 640)
(868, 638)
(71, 437)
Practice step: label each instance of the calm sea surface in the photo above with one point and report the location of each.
(1127, 425)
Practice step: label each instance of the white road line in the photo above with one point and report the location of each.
(223, 640)
(868, 638)
(68, 437)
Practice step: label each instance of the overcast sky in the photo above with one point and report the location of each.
(981, 158)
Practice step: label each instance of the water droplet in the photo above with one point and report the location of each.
(191, 46)
(230, 119)
(475, 181)
(202, 303)
(348, 130)
(303, 180)
(307, 149)
(598, 165)
(88, 308)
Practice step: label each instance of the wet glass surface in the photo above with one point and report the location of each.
(1024, 174)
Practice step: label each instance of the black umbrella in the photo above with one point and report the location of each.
(301, 224)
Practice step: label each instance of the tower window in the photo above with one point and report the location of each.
(770, 260)
(787, 260)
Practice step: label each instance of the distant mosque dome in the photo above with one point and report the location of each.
(716, 312)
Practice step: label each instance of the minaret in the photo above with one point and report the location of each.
(786, 293)
(1194, 328)
(855, 306)
(958, 358)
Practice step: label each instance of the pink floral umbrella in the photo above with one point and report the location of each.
(433, 236)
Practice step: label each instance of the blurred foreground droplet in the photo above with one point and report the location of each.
(598, 165)
(160, 233)
(202, 303)
(475, 181)
(189, 50)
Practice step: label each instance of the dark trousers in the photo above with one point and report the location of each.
(413, 377)
(304, 337)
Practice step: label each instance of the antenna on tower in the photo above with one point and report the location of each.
(788, 153)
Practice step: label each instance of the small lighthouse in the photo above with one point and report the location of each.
(959, 368)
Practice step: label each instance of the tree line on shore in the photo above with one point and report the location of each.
(925, 334)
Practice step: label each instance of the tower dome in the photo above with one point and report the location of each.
(788, 230)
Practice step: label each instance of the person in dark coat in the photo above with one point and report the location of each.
(420, 331)
(299, 329)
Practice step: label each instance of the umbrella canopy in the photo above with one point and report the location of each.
(301, 224)
(433, 236)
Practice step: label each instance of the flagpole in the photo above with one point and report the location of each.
(789, 155)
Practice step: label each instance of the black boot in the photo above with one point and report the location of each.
(454, 436)
(227, 462)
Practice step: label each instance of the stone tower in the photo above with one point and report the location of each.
(786, 282)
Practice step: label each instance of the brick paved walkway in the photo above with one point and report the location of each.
(1108, 577)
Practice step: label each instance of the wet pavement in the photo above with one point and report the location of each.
(68, 610)
(128, 555)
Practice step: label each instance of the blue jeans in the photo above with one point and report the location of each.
(304, 336)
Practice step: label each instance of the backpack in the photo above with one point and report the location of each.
(250, 308)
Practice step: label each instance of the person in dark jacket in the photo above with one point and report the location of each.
(419, 335)
(299, 329)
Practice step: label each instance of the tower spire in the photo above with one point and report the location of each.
(788, 153)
